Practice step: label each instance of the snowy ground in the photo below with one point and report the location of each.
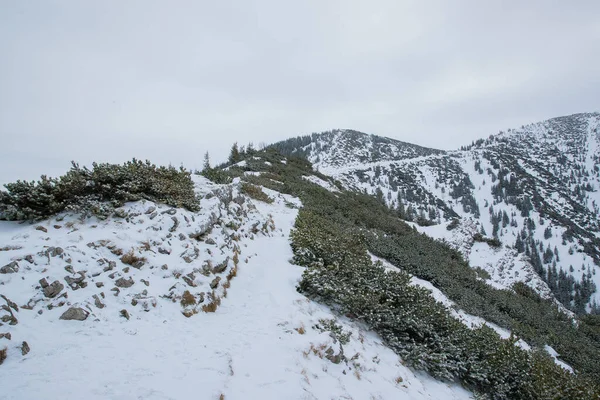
(263, 342)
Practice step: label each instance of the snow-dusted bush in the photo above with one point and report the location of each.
(97, 191)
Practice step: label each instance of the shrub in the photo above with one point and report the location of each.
(130, 258)
(214, 303)
(2, 355)
(98, 191)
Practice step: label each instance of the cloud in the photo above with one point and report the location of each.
(167, 81)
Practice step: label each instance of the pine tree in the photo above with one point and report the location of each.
(234, 155)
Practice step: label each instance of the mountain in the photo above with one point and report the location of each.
(532, 190)
(271, 277)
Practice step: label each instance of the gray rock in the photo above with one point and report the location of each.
(145, 282)
(182, 237)
(175, 224)
(6, 335)
(10, 268)
(75, 314)
(124, 283)
(54, 289)
(76, 282)
(221, 267)
(97, 302)
(43, 283)
(41, 228)
(150, 210)
(170, 211)
(125, 314)
(29, 258)
(69, 269)
(153, 215)
(99, 284)
(121, 213)
(25, 348)
(138, 264)
(189, 279)
(210, 241)
(215, 282)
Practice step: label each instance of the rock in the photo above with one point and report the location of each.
(75, 314)
(6, 335)
(57, 226)
(29, 258)
(25, 348)
(189, 279)
(43, 283)
(121, 213)
(97, 302)
(150, 210)
(215, 282)
(153, 215)
(162, 250)
(182, 237)
(99, 284)
(170, 211)
(210, 241)
(76, 282)
(145, 282)
(125, 314)
(164, 267)
(10, 268)
(41, 228)
(69, 269)
(54, 289)
(124, 283)
(175, 224)
(221, 267)
(126, 269)
(111, 265)
(116, 290)
(138, 264)
(53, 252)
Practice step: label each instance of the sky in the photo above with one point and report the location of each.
(110, 80)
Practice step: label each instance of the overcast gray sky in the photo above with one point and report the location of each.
(168, 80)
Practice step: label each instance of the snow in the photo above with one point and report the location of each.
(261, 343)
(555, 356)
(324, 184)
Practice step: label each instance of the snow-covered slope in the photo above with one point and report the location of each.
(535, 189)
(145, 333)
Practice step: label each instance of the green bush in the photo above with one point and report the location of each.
(98, 190)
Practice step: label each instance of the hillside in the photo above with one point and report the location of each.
(534, 189)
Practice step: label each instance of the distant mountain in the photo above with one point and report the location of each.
(532, 190)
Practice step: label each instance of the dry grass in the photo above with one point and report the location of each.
(301, 330)
(187, 299)
(214, 303)
(232, 272)
(130, 258)
(399, 380)
(2, 355)
(146, 246)
(222, 397)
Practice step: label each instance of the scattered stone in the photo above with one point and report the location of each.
(99, 284)
(97, 302)
(210, 241)
(221, 267)
(153, 215)
(150, 210)
(53, 290)
(215, 282)
(162, 250)
(145, 282)
(75, 313)
(76, 282)
(29, 258)
(164, 267)
(25, 348)
(10, 268)
(41, 228)
(120, 213)
(6, 335)
(54, 252)
(126, 270)
(125, 314)
(189, 279)
(182, 237)
(40, 312)
(170, 211)
(175, 224)
(116, 290)
(69, 269)
(112, 276)
(111, 265)
(124, 283)
(43, 283)
(57, 226)
(138, 264)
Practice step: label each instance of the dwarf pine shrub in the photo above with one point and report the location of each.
(98, 190)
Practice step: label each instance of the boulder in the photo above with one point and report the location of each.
(53, 289)
(10, 268)
(75, 314)
(215, 282)
(124, 283)
(25, 348)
